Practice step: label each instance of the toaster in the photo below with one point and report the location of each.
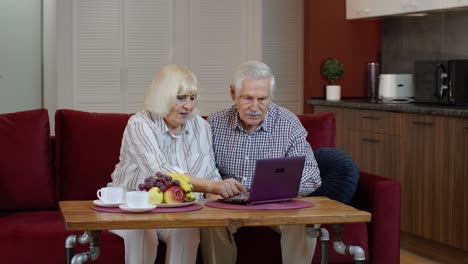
(396, 87)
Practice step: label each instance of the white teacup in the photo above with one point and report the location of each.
(110, 195)
(137, 199)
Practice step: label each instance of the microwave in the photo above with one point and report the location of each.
(441, 82)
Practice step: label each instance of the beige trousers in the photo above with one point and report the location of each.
(141, 245)
(218, 245)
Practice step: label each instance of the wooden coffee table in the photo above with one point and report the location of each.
(79, 216)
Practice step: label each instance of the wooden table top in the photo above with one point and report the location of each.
(78, 215)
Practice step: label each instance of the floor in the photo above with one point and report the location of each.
(406, 257)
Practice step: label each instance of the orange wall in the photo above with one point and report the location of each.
(327, 33)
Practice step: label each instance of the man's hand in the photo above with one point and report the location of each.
(228, 188)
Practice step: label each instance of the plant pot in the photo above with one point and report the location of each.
(333, 92)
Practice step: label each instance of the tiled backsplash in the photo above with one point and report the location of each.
(439, 36)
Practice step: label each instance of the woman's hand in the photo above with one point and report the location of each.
(228, 188)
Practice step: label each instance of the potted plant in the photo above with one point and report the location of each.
(332, 70)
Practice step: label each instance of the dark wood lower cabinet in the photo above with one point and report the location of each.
(428, 154)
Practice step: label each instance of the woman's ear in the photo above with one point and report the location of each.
(232, 91)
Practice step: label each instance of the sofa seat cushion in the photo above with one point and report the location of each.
(87, 150)
(339, 173)
(30, 237)
(26, 181)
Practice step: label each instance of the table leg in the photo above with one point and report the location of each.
(91, 237)
(341, 248)
(324, 236)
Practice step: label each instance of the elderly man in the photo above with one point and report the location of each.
(254, 128)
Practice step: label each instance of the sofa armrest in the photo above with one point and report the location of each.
(381, 197)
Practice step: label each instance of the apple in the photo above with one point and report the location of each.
(174, 194)
(155, 196)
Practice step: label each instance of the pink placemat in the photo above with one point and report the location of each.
(293, 204)
(192, 207)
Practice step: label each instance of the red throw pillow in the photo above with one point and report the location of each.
(26, 181)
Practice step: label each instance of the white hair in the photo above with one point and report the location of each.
(170, 81)
(253, 70)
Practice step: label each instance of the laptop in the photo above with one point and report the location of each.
(274, 180)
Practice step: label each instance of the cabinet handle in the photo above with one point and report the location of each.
(371, 117)
(423, 123)
(371, 140)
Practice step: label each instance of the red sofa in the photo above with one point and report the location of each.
(37, 171)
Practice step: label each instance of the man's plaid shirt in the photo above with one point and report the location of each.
(281, 134)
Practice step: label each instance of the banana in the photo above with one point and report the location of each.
(189, 197)
(184, 180)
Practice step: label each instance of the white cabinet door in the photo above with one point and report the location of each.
(453, 3)
(377, 8)
(361, 8)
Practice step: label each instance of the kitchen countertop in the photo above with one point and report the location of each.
(362, 103)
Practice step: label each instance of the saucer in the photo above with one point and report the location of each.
(137, 210)
(101, 203)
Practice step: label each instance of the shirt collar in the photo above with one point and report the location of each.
(186, 128)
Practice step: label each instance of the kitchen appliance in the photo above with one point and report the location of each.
(441, 82)
(373, 70)
(396, 88)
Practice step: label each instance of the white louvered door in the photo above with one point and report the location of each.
(148, 46)
(282, 50)
(118, 47)
(98, 57)
(109, 50)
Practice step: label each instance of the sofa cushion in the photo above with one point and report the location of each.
(339, 173)
(39, 237)
(87, 150)
(321, 128)
(26, 181)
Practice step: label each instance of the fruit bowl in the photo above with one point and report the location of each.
(173, 205)
(171, 188)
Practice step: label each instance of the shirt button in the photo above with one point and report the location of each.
(246, 157)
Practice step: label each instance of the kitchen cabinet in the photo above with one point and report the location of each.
(377, 8)
(457, 201)
(373, 139)
(424, 181)
(453, 3)
(370, 137)
(427, 153)
(339, 123)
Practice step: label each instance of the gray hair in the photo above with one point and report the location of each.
(253, 70)
(167, 84)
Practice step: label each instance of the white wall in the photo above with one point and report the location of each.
(20, 55)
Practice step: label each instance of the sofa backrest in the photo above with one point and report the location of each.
(87, 147)
(321, 128)
(26, 181)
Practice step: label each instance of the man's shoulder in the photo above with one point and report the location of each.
(221, 116)
(281, 114)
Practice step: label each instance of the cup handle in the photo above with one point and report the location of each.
(98, 193)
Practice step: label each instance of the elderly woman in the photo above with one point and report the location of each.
(168, 136)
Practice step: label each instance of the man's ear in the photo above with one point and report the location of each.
(232, 91)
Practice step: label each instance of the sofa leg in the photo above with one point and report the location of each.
(341, 248)
(91, 237)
